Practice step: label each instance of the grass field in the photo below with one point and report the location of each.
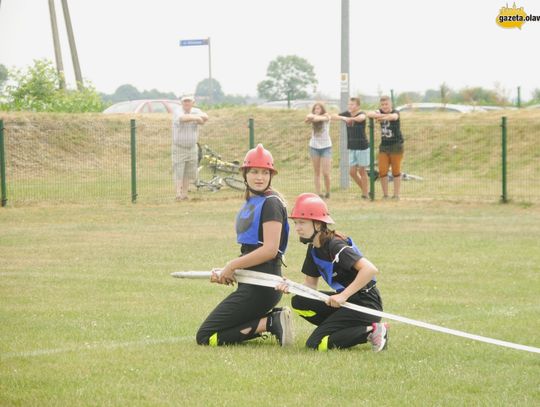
(90, 316)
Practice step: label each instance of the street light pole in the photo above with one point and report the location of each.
(345, 86)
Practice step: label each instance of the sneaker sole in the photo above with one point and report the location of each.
(285, 319)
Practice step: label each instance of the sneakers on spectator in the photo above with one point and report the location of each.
(378, 337)
(281, 326)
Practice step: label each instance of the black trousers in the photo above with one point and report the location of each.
(242, 309)
(338, 327)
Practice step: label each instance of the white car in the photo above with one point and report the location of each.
(145, 106)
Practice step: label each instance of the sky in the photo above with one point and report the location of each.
(409, 45)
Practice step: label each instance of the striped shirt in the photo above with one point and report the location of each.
(185, 134)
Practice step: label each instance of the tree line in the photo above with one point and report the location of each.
(37, 88)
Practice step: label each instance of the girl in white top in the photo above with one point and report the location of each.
(320, 146)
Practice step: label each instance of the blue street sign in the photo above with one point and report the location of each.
(190, 43)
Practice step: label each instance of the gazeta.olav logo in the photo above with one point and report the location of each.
(514, 17)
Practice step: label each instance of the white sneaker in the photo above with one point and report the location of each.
(378, 337)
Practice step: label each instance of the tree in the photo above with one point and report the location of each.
(37, 89)
(287, 76)
(445, 92)
(34, 89)
(408, 97)
(478, 95)
(126, 92)
(432, 96)
(156, 94)
(536, 95)
(3, 75)
(203, 90)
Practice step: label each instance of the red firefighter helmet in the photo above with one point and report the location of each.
(312, 207)
(259, 157)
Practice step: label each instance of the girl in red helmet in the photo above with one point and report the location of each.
(336, 259)
(262, 231)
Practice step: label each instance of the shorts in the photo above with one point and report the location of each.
(359, 158)
(321, 152)
(387, 160)
(184, 160)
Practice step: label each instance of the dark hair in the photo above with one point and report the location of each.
(318, 126)
(355, 100)
(327, 234)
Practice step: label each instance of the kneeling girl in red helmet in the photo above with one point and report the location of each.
(336, 259)
(262, 231)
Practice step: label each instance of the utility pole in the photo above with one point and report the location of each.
(72, 47)
(211, 85)
(345, 87)
(56, 42)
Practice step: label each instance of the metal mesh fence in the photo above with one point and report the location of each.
(87, 158)
(61, 160)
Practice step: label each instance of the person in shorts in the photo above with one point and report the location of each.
(320, 147)
(357, 143)
(185, 134)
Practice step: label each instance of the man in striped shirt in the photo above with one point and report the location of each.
(185, 131)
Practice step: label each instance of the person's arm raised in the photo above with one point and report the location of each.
(359, 119)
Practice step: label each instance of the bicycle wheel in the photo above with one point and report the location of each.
(234, 183)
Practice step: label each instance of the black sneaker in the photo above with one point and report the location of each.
(281, 326)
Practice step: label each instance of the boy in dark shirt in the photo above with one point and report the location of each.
(357, 143)
(391, 147)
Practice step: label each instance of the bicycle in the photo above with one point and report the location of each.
(213, 161)
(404, 176)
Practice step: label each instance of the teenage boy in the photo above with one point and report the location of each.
(391, 147)
(357, 143)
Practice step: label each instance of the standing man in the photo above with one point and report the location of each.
(357, 143)
(391, 148)
(185, 132)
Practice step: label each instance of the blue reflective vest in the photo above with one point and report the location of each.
(327, 269)
(248, 221)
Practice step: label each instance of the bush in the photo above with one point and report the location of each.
(37, 89)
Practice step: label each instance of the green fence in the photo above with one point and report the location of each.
(89, 159)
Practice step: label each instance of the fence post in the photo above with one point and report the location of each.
(251, 125)
(392, 97)
(133, 143)
(371, 159)
(504, 196)
(3, 165)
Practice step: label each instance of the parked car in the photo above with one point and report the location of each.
(145, 106)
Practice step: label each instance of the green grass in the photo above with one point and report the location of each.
(90, 316)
